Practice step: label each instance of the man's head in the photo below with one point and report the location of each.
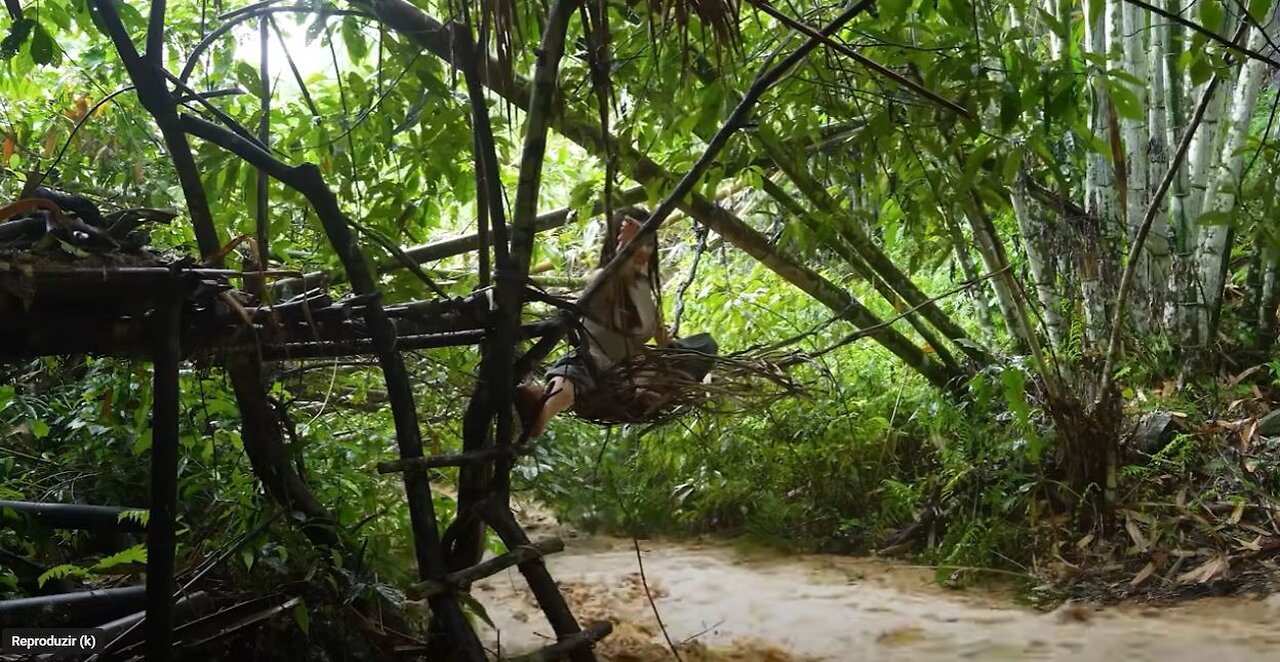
(628, 220)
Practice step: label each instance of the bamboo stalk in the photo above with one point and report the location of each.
(428, 33)
(1157, 199)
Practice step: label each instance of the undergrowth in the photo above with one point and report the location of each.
(840, 473)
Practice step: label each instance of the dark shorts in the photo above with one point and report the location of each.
(695, 362)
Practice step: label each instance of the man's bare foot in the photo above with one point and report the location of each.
(652, 400)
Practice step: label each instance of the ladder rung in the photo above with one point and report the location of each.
(569, 644)
(537, 549)
(444, 460)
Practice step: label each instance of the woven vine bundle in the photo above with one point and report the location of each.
(650, 387)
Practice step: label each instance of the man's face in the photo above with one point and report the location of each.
(640, 259)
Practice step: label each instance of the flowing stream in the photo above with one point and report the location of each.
(721, 603)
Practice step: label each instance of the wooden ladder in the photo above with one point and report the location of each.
(573, 642)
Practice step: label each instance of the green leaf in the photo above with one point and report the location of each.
(1127, 104)
(1095, 8)
(1201, 68)
(1216, 218)
(248, 76)
(42, 51)
(1050, 21)
(894, 11)
(302, 616)
(134, 555)
(139, 516)
(357, 46)
(18, 34)
(1010, 107)
(1012, 163)
(976, 160)
(472, 605)
(61, 571)
(1212, 15)
(39, 429)
(143, 443)
(1121, 74)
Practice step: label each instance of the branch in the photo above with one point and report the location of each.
(862, 333)
(1139, 241)
(512, 275)
(537, 124)
(1229, 44)
(863, 60)
(155, 97)
(763, 82)
(297, 75)
(231, 122)
(428, 33)
(76, 129)
(205, 43)
(262, 210)
(155, 34)
(247, 8)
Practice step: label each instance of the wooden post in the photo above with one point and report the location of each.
(161, 538)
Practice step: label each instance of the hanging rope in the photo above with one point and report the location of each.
(702, 232)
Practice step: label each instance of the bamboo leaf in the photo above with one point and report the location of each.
(1216, 217)
(1010, 107)
(1013, 163)
(302, 616)
(472, 605)
(1201, 69)
(1127, 104)
(1212, 15)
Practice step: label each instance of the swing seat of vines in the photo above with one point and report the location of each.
(659, 385)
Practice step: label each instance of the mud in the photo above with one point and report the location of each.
(718, 602)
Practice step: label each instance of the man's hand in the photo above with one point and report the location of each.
(663, 336)
(630, 228)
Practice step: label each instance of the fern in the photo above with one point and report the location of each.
(134, 555)
(139, 516)
(60, 572)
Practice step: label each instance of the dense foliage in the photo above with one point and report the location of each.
(871, 181)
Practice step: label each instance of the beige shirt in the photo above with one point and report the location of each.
(609, 346)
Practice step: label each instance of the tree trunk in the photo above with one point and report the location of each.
(1038, 241)
(1267, 299)
(1099, 185)
(1157, 251)
(1177, 311)
(978, 293)
(880, 263)
(1223, 179)
(1137, 160)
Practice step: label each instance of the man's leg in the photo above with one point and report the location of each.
(562, 397)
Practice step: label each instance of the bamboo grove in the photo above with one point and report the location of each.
(1102, 175)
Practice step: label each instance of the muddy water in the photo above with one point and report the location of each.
(721, 604)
